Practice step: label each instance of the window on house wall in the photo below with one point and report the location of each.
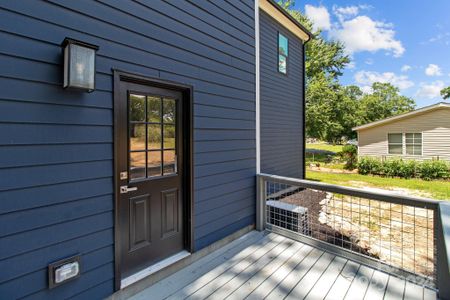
(413, 142)
(395, 143)
(283, 45)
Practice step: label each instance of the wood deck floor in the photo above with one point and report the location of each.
(269, 266)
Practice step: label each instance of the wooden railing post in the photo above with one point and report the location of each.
(260, 203)
(443, 250)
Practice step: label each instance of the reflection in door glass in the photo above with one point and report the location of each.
(137, 137)
(137, 108)
(170, 162)
(154, 109)
(137, 165)
(154, 136)
(154, 163)
(169, 137)
(169, 110)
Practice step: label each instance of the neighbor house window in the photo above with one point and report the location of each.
(283, 44)
(413, 143)
(395, 143)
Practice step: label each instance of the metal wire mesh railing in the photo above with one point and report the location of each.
(395, 232)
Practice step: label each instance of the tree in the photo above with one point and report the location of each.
(322, 56)
(332, 110)
(446, 93)
(384, 101)
(325, 61)
(321, 93)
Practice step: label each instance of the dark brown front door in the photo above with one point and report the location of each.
(150, 166)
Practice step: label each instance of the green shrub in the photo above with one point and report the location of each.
(369, 165)
(391, 167)
(436, 169)
(349, 154)
(408, 169)
(427, 170)
(399, 168)
(364, 166)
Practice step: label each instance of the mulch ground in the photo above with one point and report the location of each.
(311, 199)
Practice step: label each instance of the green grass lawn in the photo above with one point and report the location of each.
(323, 146)
(437, 189)
(325, 159)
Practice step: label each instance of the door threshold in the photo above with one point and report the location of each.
(153, 269)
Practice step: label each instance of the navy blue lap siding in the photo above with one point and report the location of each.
(281, 103)
(56, 146)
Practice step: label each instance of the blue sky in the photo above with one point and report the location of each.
(403, 42)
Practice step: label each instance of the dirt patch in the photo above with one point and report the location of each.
(330, 170)
(394, 190)
(312, 199)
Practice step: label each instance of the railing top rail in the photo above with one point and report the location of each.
(380, 196)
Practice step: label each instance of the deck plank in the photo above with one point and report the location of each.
(270, 266)
(218, 283)
(377, 286)
(241, 278)
(291, 280)
(208, 279)
(429, 294)
(257, 279)
(217, 259)
(413, 291)
(395, 288)
(324, 284)
(279, 275)
(343, 282)
(360, 284)
(309, 280)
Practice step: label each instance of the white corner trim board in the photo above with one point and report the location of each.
(257, 91)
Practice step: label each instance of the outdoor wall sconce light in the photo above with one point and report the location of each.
(79, 65)
(64, 270)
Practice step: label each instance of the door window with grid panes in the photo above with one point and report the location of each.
(152, 136)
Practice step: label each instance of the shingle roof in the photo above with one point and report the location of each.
(403, 116)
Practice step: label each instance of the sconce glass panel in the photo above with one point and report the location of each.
(79, 65)
(82, 67)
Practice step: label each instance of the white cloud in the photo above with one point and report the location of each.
(433, 70)
(369, 61)
(440, 37)
(319, 15)
(364, 34)
(431, 90)
(406, 68)
(366, 78)
(345, 12)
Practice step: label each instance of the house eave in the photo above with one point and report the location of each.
(441, 105)
(285, 19)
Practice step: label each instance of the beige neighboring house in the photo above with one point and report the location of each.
(420, 134)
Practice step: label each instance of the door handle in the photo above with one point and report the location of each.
(125, 189)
